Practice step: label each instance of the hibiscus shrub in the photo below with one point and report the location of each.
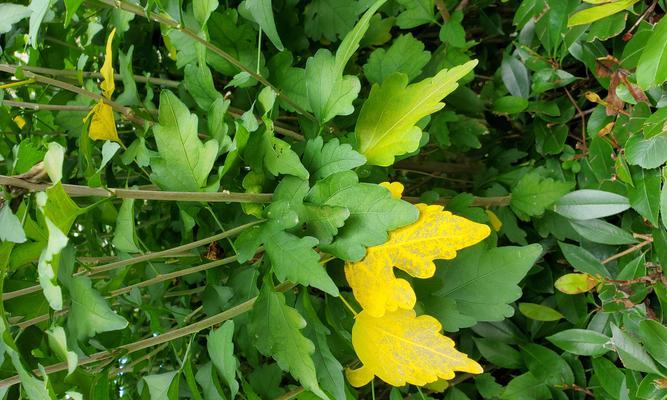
(333, 199)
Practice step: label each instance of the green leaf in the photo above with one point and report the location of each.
(277, 331)
(386, 129)
(373, 212)
(499, 353)
(539, 312)
(526, 387)
(593, 14)
(483, 282)
(124, 238)
(163, 386)
(583, 261)
(631, 352)
(330, 19)
(329, 94)
(203, 9)
(329, 370)
(350, 43)
(262, 13)
(654, 336)
(199, 83)
(652, 65)
(48, 264)
(515, 77)
(452, 31)
(53, 161)
(89, 313)
(590, 204)
(663, 204)
(294, 259)
(583, 342)
(220, 348)
(417, 12)
(323, 160)
(509, 105)
(129, 95)
(11, 228)
(28, 153)
(654, 124)
(607, 27)
(38, 10)
(546, 365)
(208, 380)
(184, 162)
(645, 195)
(58, 343)
(13, 13)
(532, 195)
(610, 378)
(406, 55)
(647, 153)
(600, 231)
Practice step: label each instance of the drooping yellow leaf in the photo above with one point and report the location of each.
(103, 124)
(395, 188)
(19, 121)
(108, 84)
(495, 222)
(402, 348)
(437, 234)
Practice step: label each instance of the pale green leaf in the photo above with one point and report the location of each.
(406, 54)
(11, 14)
(89, 313)
(124, 238)
(58, 343)
(592, 14)
(652, 65)
(262, 13)
(386, 129)
(11, 228)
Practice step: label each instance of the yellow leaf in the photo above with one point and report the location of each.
(103, 124)
(495, 222)
(395, 188)
(402, 348)
(437, 234)
(19, 121)
(576, 283)
(108, 84)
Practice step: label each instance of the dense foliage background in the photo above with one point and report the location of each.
(184, 259)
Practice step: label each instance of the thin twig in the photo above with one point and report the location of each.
(86, 74)
(628, 251)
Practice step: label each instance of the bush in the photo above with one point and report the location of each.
(213, 200)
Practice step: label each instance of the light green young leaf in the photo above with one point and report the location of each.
(11, 228)
(58, 343)
(163, 386)
(89, 313)
(53, 161)
(373, 212)
(47, 267)
(539, 312)
(406, 54)
(184, 162)
(220, 348)
(276, 328)
(652, 66)
(323, 160)
(592, 14)
(261, 12)
(387, 128)
(350, 42)
(59, 207)
(109, 149)
(124, 238)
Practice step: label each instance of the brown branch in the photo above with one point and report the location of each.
(85, 74)
(628, 251)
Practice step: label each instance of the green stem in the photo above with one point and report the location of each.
(84, 74)
(85, 191)
(171, 23)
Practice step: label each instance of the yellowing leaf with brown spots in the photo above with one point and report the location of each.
(103, 124)
(437, 234)
(401, 348)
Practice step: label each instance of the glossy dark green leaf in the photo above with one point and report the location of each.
(582, 342)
